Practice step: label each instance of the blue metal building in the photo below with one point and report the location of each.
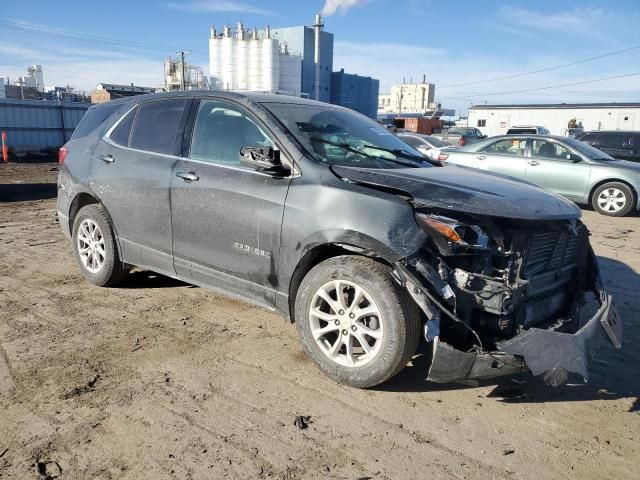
(300, 40)
(355, 92)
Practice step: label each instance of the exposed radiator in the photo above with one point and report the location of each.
(550, 251)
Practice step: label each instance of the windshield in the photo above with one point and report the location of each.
(587, 150)
(342, 137)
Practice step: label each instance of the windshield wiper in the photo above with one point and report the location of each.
(350, 148)
(399, 152)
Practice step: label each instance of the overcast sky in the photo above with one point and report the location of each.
(452, 43)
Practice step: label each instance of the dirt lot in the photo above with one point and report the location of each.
(159, 379)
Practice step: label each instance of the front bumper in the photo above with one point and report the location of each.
(549, 353)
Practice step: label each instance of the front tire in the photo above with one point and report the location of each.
(355, 322)
(613, 199)
(94, 247)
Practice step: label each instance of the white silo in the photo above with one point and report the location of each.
(254, 66)
(228, 74)
(270, 64)
(242, 52)
(215, 60)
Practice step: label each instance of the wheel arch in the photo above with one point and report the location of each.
(320, 253)
(611, 180)
(82, 199)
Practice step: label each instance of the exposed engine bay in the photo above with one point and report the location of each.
(485, 283)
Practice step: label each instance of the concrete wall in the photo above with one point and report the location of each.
(496, 121)
(35, 125)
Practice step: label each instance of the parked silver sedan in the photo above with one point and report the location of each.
(564, 165)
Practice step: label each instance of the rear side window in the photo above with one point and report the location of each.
(156, 126)
(507, 146)
(122, 132)
(94, 117)
(614, 140)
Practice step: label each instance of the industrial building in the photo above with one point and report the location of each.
(408, 98)
(288, 60)
(355, 92)
(180, 75)
(557, 118)
(254, 61)
(315, 46)
(109, 91)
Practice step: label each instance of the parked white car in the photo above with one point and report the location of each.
(426, 144)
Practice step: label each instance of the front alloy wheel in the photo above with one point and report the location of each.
(355, 322)
(346, 323)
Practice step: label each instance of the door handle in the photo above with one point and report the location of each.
(533, 163)
(481, 157)
(107, 158)
(188, 176)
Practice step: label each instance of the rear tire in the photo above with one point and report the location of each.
(366, 338)
(614, 199)
(95, 249)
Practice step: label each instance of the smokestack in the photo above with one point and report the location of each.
(317, 28)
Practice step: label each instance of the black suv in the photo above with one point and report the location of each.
(619, 144)
(320, 213)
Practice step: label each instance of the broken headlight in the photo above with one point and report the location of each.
(453, 231)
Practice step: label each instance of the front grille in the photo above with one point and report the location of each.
(550, 251)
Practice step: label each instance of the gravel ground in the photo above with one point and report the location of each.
(159, 379)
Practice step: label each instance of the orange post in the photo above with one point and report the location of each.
(5, 149)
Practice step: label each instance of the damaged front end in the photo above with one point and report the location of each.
(503, 296)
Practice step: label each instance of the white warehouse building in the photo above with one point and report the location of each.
(252, 61)
(557, 118)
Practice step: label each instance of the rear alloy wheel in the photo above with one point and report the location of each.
(355, 322)
(613, 199)
(95, 249)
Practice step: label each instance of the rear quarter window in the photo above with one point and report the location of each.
(156, 126)
(122, 132)
(93, 118)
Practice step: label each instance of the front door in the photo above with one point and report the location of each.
(226, 218)
(131, 175)
(550, 167)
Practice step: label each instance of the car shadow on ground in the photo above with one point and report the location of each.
(22, 192)
(147, 279)
(614, 373)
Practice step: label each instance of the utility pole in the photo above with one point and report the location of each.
(182, 54)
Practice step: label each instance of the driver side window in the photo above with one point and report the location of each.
(221, 130)
(507, 146)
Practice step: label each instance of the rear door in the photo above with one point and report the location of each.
(505, 156)
(226, 218)
(131, 176)
(549, 167)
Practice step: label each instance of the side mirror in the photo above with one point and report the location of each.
(482, 137)
(574, 158)
(262, 159)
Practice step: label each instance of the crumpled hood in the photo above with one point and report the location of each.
(467, 190)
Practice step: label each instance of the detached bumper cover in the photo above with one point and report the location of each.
(556, 354)
(544, 352)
